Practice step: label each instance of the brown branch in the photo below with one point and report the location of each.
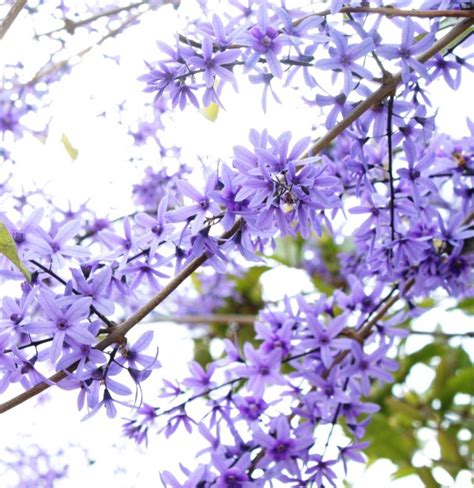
(396, 12)
(71, 25)
(118, 334)
(393, 12)
(388, 87)
(442, 335)
(11, 16)
(47, 70)
(221, 319)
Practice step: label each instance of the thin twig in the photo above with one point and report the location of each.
(117, 335)
(71, 25)
(390, 165)
(388, 87)
(394, 12)
(11, 16)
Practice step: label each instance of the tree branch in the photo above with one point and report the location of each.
(393, 12)
(11, 16)
(119, 332)
(388, 86)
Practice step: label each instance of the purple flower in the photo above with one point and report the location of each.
(200, 380)
(366, 366)
(53, 246)
(265, 78)
(137, 429)
(280, 446)
(343, 58)
(450, 70)
(214, 64)
(261, 369)
(202, 207)
(157, 228)
(15, 316)
(407, 50)
(95, 287)
(351, 452)
(263, 39)
(65, 323)
(161, 79)
(326, 338)
(250, 408)
(232, 474)
(323, 473)
(132, 355)
(21, 232)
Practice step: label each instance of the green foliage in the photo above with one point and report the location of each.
(249, 302)
(394, 432)
(8, 249)
(466, 305)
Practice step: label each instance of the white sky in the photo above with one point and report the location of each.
(103, 173)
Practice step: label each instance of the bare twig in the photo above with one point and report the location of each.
(119, 332)
(394, 12)
(11, 16)
(388, 87)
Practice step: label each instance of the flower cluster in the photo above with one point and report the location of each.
(382, 180)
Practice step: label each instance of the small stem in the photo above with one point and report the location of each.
(394, 12)
(64, 282)
(390, 165)
(70, 25)
(117, 334)
(224, 319)
(11, 16)
(387, 88)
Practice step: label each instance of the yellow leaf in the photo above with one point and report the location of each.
(71, 150)
(211, 111)
(8, 249)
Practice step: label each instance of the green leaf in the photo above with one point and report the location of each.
(466, 305)
(405, 409)
(403, 471)
(201, 351)
(8, 248)
(289, 251)
(211, 111)
(462, 381)
(451, 459)
(70, 149)
(249, 285)
(389, 440)
(425, 475)
(453, 360)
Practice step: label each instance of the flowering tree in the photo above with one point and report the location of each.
(375, 206)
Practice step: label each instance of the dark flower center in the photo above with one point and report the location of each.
(18, 237)
(62, 324)
(266, 41)
(329, 391)
(281, 449)
(264, 370)
(325, 339)
(345, 61)
(364, 365)
(16, 318)
(157, 229)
